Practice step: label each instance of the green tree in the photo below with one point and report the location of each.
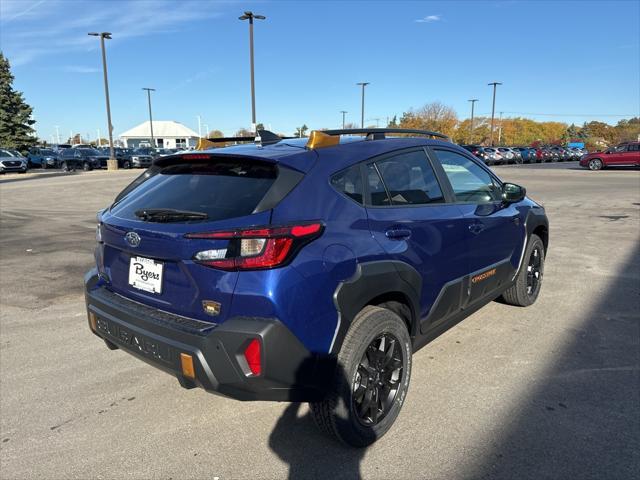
(300, 131)
(244, 132)
(215, 134)
(15, 113)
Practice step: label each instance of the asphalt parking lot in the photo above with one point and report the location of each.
(551, 391)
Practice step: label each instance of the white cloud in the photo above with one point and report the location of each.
(429, 19)
(80, 69)
(59, 27)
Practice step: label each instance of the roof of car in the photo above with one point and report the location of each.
(351, 149)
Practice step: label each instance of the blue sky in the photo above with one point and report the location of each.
(577, 60)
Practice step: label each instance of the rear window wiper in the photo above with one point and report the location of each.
(168, 215)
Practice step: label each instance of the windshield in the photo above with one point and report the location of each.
(6, 153)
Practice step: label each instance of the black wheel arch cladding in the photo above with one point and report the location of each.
(373, 280)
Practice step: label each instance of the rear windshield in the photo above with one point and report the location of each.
(222, 189)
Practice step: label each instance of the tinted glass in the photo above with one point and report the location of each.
(222, 189)
(378, 194)
(67, 153)
(634, 147)
(5, 153)
(410, 180)
(349, 182)
(470, 182)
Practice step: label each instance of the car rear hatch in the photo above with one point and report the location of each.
(145, 252)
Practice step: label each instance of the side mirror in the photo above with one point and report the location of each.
(512, 193)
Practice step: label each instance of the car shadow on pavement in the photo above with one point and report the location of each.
(309, 452)
(581, 416)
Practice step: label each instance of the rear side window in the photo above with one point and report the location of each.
(349, 182)
(222, 189)
(409, 179)
(634, 147)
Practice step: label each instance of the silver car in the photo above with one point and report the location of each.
(12, 161)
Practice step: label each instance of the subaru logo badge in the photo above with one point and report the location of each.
(132, 239)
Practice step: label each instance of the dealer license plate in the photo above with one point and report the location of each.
(145, 274)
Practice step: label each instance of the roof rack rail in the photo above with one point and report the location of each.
(380, 133)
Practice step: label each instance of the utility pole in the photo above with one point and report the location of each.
(493, 108)
(149, 90)
(112, 163)
(250, 16)
(343, 112)
(363, 84)
(473, 102)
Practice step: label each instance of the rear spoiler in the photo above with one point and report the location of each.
(262, 138)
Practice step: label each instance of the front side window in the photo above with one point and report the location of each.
(470, 182)
(409, 179)
(349, 182)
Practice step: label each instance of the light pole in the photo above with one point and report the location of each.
(473, 102)
(99, 143)
(250, 16)
(206, 130)
(343, 112)
(500, 130)
(493, 108)
(149, 90)
(58, 133)
(112, 163)
(199, 126)
(363, 84)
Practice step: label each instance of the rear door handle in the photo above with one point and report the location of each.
(398, 233)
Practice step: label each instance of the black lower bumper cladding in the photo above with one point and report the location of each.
(289, 371)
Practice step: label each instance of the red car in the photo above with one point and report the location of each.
(623, 155)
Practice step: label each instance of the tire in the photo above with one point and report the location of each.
(43, 165)
(86, 166)
(126, 164)
(526, 288)
(65, 167)
(595, 164)
(378, 338)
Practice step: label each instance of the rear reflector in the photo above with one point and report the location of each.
(187, 366)
(93, 320)
(253, 356)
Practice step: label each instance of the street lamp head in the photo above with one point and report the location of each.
(106, 35)
(494, 83)
(251, 16)
(260, 17)
(363, 83)
(149, 89)
(244, 17)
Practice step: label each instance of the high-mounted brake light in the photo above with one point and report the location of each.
(256, 248)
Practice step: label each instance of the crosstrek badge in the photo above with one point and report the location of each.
(483, 276)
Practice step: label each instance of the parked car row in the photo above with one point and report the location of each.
(506, 155)
(86, 157)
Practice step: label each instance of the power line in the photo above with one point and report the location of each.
(568, 114)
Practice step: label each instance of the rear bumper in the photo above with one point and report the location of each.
(289, 372)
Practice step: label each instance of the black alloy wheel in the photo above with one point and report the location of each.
(377, 379)
(534, 272)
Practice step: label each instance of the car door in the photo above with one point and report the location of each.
(633, 154)
(495, 232)
(414, 221)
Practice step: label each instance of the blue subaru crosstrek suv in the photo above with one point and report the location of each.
(310, 269)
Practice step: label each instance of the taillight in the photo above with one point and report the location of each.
(253, 356)
(256, 248)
